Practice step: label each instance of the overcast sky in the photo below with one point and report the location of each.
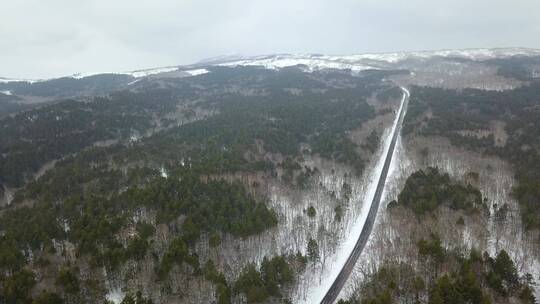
(43, 39)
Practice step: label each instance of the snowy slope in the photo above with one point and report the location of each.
(372, 61)
(312, 62)
(197, 72)
(136, 74)
(8, 80)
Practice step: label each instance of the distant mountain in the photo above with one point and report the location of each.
(37, 91)
(79, 85)
(314, 61)
(373, 61)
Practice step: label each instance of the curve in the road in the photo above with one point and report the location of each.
(334, 290)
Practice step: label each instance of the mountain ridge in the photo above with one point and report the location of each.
(279, 60)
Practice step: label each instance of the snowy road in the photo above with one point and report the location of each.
(334, 290)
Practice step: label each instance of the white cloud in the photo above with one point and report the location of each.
(59, 37)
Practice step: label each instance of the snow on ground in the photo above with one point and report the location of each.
(163, 172)
(83, 75)
(391, 189)
(197, 72)
(336, 262)
(312, 63)
(134, 81)
(8, 80)
(114, 291)
(473, 54)
(115, 295)
(496, 182)
(6, 92)
(141, 73)
(136, 74)
(147, 72)
(369, 259)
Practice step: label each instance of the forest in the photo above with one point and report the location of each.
(213, 207)
(454, 112)
(426, 190)
(448, 277)
(106, 206)
(31, 139)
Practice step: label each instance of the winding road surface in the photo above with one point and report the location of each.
(334, 290)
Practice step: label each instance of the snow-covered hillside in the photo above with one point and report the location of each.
(361, 62)
(312, 62)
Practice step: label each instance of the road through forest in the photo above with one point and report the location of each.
(334, 290)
